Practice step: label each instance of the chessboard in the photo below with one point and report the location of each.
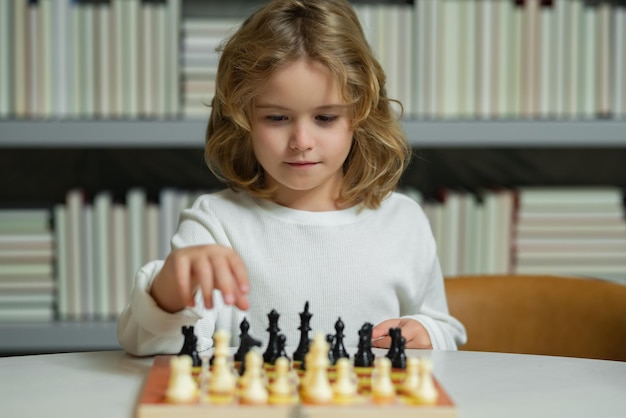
(153, 402)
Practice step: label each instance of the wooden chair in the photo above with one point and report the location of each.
(547, 315)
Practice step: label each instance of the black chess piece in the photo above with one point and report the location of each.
(364, 356)
(303, 346)
(338, 349)
(399, 361)
(393, 347)
(272, 351)
(330, 339)
(282, 342)
(396, 350)
(190, 346)
(246, 341)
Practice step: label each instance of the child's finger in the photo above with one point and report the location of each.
(204, 276)
(224, 279)
(240, 273)
(182, 275)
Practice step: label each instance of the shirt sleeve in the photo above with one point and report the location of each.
(445, 331)
(144, 328)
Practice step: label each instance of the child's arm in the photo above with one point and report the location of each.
(208, 267)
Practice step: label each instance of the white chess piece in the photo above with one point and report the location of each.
(426, 391)
(411, 381)
(316, 387)
(283, 389)
(182, 388)
(383, 390)
(253, 387)
(223, 380)
(346, 383)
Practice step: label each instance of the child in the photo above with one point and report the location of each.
(303, 133)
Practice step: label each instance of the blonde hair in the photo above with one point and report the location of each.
(327, 31)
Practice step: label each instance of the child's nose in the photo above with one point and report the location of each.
(301, 138)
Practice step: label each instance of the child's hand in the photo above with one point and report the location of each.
(413, 331)
(207, 267)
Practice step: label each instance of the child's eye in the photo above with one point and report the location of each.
(275, 118)
(327, 118)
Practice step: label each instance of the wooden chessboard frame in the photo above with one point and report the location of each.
(152, 404)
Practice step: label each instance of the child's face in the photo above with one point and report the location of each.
(301, 135)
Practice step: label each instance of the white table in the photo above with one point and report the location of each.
(107, 384)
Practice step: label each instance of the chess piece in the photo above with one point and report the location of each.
(252, 360)
(383, 391)
(282, 341)
(411, 380)
(330, 339)
(316, 388)
(339, 351)
(303, 346)
(364, 356)
(223, 381)
(182, 388)
(283, 389)
(346, 383)
(253, 391)
(396, 351)
(426, 390)
(393, 347)
(272, 351)
(190, 346)
(246, 341)
(399, 361)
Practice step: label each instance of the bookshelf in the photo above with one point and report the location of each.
(468, 153)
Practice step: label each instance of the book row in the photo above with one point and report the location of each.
(445, 59)
(78, 259)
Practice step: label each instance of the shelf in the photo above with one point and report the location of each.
(421, 133)
(49, 337)
(515, 133)
(110, 134)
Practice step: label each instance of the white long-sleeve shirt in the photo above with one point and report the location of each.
(360, 265)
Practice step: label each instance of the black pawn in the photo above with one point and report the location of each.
(303, 346)
(282, 342)
(246, 341)
(399, 362)
(364, 356)
(396, 350)
(190, 346)
(330, 339)
(339, 351)
(272, 351)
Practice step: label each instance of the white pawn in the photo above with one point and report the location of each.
(411, 381)
(283, 389)
(317, 389)
(223, 381)
(182, 387)
(426, 391)
(254, 362)
(253, 388)
(220, 343)
(383, 390)
(346, 383)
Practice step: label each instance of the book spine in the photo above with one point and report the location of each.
(61, 262)
(101, 246)
(6, 55)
